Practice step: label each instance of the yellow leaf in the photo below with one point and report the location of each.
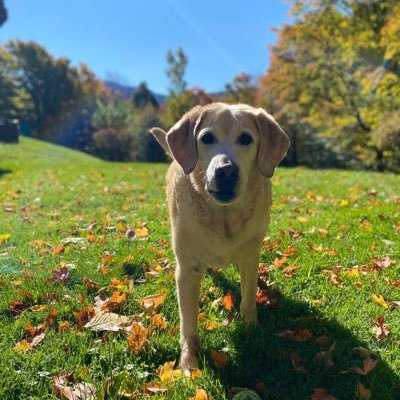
(4, 237)
(201, 394)
(344, 203)
(138, 338)
(142, 232)
(377, 298)
(121, 227)
(210, 325)
(362, 393)
(168, 374)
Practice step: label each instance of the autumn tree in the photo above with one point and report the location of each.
(241, 90)
(330, 74)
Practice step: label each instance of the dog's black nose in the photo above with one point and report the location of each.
(227, 172)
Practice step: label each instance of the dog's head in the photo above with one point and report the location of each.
(222, 146)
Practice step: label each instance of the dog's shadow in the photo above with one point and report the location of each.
(290, 369)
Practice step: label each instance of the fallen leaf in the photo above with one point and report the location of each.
(364, 353)
(151, 303)
(380, 328)
(361, 392)
(30, 343)
(297, 363)
(114, 303)
(298, 335)
(290, 270)
(61, 275)
(168, 374)
(63, 326)
(58, 249)
(279, 262)
(382, 263)
(142, 232)
(84, 316)
(377, 298)
(138, 338)
(4, 237)
(109, 322)
(78, 391)
(90, 284)
(228, 301)
(121, 227)
(157, 321)
(368, 365)
(152, 387)
(210, 325)
(268, 298)
(321, 394)
(200, 394)
(220, 358)
(324, 358)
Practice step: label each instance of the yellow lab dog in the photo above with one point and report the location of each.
(219, 197)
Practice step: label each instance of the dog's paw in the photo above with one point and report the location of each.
(249, 316)
(189, 353)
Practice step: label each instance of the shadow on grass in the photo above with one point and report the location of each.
(4, 172)
(259, 355)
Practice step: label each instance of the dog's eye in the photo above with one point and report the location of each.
(208, 138)
(245, 139)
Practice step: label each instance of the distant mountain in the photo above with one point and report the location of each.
(127, 91)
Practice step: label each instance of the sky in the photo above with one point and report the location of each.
(127, 40)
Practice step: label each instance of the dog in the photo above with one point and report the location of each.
(219, 198)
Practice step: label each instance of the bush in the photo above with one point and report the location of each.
(113, 144)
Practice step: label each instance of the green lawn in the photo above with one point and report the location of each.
(338, 230)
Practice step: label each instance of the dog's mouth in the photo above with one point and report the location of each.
(223, 195)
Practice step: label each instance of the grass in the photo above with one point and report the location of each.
(336, 221)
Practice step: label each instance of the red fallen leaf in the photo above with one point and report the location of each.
(298, 335)
(90, 284)
(228, 301)
(321, 394)
(220, 358)
(51, 317)
(17, 307)
(33, 331)
(61, 275)
(380, 328)
(84, 316)
(382, 263)
(268, 298)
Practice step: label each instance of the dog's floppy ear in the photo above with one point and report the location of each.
(181, 139)
(274, 143)
(161, 137)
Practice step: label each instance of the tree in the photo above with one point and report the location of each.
(179, 100)
(241, 90)
(323, 74)
(142, 97)
(3, 13)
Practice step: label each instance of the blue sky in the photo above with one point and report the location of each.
(127, 40)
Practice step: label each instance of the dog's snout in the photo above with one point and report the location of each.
(227, 170)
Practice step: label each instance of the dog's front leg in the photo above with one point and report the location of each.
(188, 279)
(248, 268)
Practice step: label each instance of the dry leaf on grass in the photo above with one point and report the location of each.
(361, 392)
(324, 358)
(229, 301)
(79, 391)
(321, 394)
(200, 394)
(380, 328)
(168, 374)
(298, 335)
(151, 303)
(368, 365)
(220, 358)
(138, 338)
(109, 322)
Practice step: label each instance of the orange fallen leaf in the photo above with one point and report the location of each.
(142, 232)
(114, 303)
(63, 326)
(228, 301)
(157, 321)
(200, 394)
(220, 358)
(210, 325)
(279, 262)
(268, 298)
(138, 338)
(151, 303)
(30, 343)
(290, 270)
(298, 335)
(90, 284)
(321, 394)
(152, 387)
(58, 249)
